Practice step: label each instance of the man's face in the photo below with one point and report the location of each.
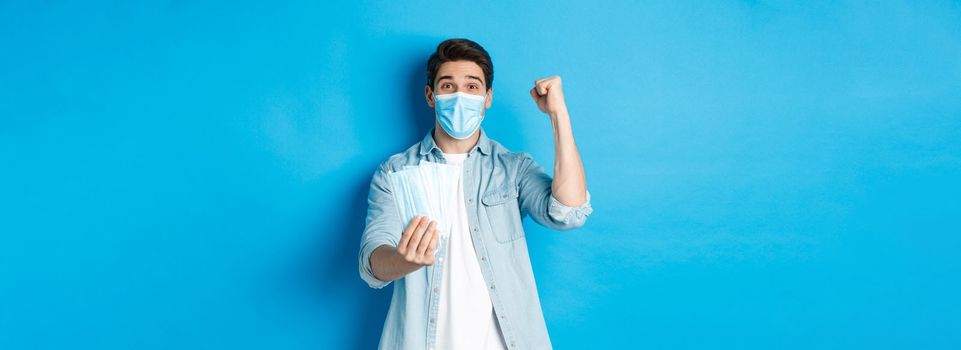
(463, 76)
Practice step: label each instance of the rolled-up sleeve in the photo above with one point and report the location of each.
(382, 226)
(570, 215)
(537, 199)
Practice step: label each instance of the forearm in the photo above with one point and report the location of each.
(570, 183)
(387, 265)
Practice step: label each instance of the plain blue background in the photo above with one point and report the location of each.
(180, 175)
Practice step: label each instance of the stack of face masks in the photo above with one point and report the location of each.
(427, 189)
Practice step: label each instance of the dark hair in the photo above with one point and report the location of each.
(460, 50)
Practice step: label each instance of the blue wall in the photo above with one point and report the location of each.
(181, 175)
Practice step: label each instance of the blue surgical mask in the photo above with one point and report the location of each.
(459, 113)
(423, 190)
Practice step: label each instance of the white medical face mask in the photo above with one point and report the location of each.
(459, 113)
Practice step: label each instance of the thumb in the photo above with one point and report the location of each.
(543, 86)
(534, 94)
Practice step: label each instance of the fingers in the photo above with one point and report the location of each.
(402, 246)
(429, 246)
(428, 237)
(416, 237)
(534, 94)
(541, 88)
(419, 241)
(433, 242)
(542, 80)
(544, 84)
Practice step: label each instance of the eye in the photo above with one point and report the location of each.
(473, 86)
(446, 86)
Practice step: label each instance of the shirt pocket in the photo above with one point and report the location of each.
(503, 213)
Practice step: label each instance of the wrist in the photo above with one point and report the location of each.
(558, 114)
(560, 119)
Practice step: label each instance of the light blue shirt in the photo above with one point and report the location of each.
(501, 188)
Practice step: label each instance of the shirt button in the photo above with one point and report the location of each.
(436, 290)
(475, 229)
(483, 258)
(432, 320)
(492, 286)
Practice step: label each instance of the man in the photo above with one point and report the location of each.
(478, 291)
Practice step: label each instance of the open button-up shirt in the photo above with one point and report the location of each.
(501, 188)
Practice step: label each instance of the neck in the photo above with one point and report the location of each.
(449, 144)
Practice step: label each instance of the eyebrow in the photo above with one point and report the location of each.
(475, 78)
(468, 77)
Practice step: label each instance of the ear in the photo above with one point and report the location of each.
(490, 97)
(429, 96)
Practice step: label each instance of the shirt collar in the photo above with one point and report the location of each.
(428, 145)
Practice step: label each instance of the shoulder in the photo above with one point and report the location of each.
(509, 159)
(397, 161)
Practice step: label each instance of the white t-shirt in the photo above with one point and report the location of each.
(466, 317)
